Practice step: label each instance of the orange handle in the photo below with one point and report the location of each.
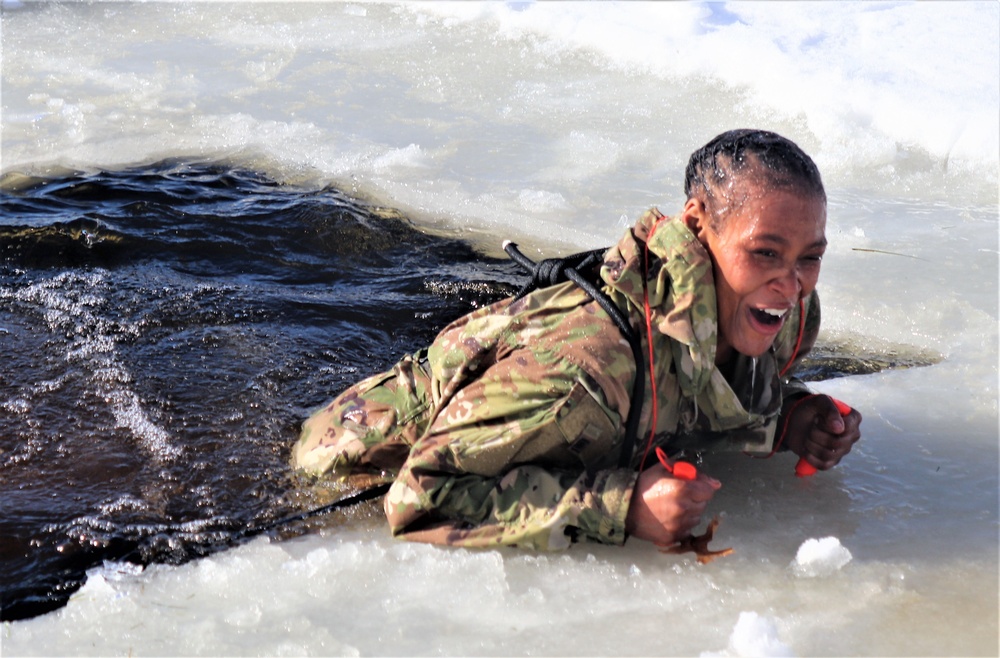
(805, 469)
(680, 470)
(842, 407)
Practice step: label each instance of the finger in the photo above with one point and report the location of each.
(699, 495)
(830, 417)
(691, 523)
(819, 442)
(853, 425)
(822, 449)
(705, 486)
(690, 509)
(841, 444)
(710, 481)
(692, 497)
(822, 461)
(835, 452)
(846, 444)
(690, 518)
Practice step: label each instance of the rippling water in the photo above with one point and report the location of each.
(166, 329)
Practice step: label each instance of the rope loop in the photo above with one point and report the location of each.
(552, 271)
(549, 272)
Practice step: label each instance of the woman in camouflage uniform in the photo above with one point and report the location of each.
(510, 427)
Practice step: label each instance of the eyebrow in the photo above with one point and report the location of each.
(782, 240)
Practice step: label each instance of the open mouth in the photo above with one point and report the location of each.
(769, 316)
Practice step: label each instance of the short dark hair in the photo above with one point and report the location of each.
(766, 157)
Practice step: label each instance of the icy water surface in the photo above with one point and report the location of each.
(165, 331)
(169, 328)
(166, 327)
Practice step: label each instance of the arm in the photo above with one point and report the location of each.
(507, 463)
(527, 506)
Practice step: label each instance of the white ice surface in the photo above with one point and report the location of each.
(556, 124)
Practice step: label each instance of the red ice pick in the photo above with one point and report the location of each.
(680, 470)
(804, 468)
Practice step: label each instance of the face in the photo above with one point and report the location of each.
(766, 257)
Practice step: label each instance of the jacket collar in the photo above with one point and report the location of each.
(680, 289)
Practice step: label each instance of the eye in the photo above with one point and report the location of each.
(765, 253)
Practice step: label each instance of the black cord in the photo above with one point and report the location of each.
(348, 501)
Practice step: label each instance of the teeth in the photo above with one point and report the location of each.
(776, 312)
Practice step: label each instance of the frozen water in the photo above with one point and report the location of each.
(820, 557)
(549, 123)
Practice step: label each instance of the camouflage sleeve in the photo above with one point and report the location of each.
(515, 461)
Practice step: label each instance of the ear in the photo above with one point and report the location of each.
(696, 217)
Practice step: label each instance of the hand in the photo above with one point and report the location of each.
(664, 509)
(818, 433)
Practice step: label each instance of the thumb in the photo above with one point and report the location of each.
(833, 422)
(710, 481)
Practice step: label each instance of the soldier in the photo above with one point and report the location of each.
(511, 427)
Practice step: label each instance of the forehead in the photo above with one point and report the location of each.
(778, 212)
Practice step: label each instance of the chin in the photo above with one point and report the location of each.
(755, 351)
(753, 354)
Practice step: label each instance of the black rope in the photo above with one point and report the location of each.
(347, 501)
(138, 551)
(551, 271)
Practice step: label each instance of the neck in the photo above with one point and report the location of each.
(724, 353)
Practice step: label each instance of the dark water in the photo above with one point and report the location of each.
(165, 331)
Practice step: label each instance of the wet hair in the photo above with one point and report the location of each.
(751, 156)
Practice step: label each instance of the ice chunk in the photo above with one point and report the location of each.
(820, 557)
(754, 635)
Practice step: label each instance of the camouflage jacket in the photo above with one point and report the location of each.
(507, 430)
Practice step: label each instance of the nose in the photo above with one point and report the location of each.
(788, 283)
